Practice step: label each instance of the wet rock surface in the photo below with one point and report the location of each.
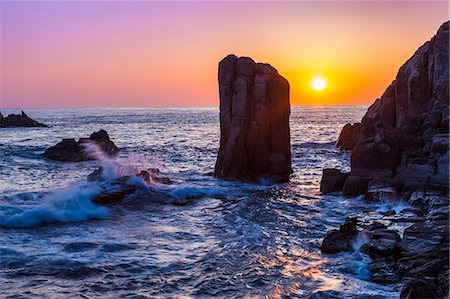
(340, 240)
(18, 120)
(332, 180)
(254, 121)
(349, 136)
(69, 150)
(115, 191)
(401, 155)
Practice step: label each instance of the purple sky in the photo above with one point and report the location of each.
(136, 54)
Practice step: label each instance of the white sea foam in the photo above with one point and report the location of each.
(397, 206)
(70, 204)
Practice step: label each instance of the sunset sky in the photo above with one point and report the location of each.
(143, 54)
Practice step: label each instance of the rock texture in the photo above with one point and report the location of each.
(254, 121)
(404, 134)
(69, 150)
(349, 136)
(401, 154)
(341, 240)
(18, 120)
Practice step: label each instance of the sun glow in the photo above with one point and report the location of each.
(318, 84)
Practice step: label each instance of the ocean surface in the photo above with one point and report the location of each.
(225, 239)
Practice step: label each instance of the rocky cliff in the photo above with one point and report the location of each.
(404, 134)
(400, 157)
(254, 121)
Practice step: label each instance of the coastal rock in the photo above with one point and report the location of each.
(380, 189)
(18, 120)
(149, 176)
(332, 180)
(349, 136)
(254, 121)
(340, 240)
(355, 185)
(420, 288)
(383, 244)
(404, 134)
(69, 150)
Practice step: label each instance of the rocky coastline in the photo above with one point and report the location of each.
(19, 120)
(399, 154)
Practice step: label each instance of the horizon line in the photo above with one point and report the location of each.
(162, 107)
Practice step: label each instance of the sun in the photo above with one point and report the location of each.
(318, 83)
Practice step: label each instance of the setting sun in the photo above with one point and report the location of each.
(318, 84)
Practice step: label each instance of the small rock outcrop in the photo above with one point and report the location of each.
(349, 136)
(332, 180)
(19, 120)
(69, 150)
(341, 240)
(405, 134)
(254, 121)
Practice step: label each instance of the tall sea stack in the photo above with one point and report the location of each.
(254, 121)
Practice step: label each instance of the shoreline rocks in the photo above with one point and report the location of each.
(402, 155)
(69, 150)
(254, 122)
(19, 120)
(404, 134)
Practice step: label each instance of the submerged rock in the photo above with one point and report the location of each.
(69, 150)
(18, 120)
(340, 240)
(254, 121)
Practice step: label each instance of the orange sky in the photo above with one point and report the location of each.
(139, 54)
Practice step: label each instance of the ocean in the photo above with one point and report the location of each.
(226, 239)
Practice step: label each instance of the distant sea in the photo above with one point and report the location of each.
(230, 240)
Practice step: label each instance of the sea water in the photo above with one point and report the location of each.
(227, 239)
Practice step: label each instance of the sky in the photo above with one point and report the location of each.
(161, 54)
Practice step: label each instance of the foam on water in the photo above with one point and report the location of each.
(226, 239)
(398, 206)
(70, 204)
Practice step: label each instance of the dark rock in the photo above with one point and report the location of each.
(404, 134)
(254, 121)
(382, 189)
(349, 136)
(69, 150)
(154, 176)
(149, 176)
(420, 288)
(383, 244)
(355, 185)
(18, 120)
(114, 194)
(332, 180)
(443, 278)
(383, 272)
(374, 157)
(340, 240)
(422, 237)
(440, 143)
